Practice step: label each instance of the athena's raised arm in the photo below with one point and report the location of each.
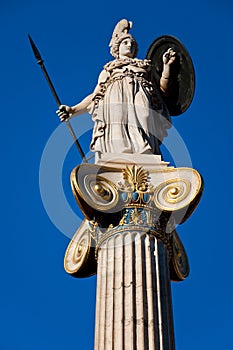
(168, 58)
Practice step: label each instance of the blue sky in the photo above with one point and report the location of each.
(41, 306)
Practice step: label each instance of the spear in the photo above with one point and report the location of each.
(40, 61)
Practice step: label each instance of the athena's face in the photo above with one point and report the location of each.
(127, 48)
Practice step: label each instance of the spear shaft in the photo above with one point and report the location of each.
(40, 61)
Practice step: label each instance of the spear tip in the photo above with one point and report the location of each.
(35, 50)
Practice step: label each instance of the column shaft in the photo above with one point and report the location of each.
(133, 303)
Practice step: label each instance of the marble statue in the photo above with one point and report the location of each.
(126, 107)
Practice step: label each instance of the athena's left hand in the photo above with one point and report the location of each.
(169, 57)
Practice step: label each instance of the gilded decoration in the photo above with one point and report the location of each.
(135, 199)
(100, 192)
(79, 259)
(169, 190)
(136, 179)
(179, 264)
(136, 189)
(172, 193)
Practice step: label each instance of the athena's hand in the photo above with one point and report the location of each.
(64, 112)
(169, 57)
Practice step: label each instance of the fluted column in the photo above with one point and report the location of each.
(131, 216)
(133, 294)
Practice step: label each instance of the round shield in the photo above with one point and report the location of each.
(182, 73)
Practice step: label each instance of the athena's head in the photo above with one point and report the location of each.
(119, 35)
